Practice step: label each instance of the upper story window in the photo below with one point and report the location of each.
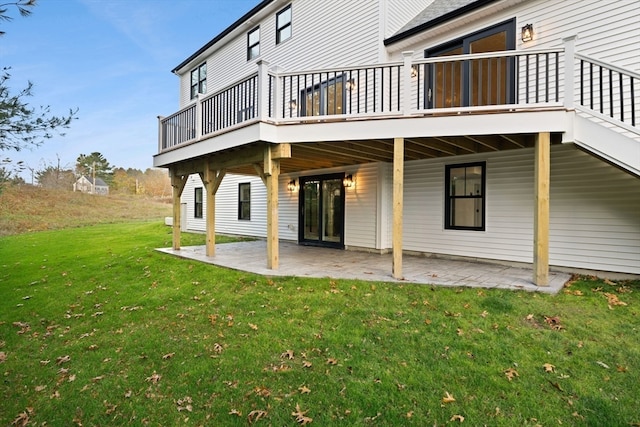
(465, 196)
(283, 24)
(198, 202)
(244, 201)
(253, 44)
(199, 80)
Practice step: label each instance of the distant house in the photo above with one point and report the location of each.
(496, 130)
(86, 184)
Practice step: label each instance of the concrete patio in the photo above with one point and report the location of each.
(307, 261)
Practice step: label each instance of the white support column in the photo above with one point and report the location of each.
(398, 205)
(161, 135)
(263, 89)
(569, 70)
(541, 213)
(406, 82)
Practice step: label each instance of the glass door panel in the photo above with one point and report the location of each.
(447, 88)
(488, 82)
(322, 211)
(310, 206)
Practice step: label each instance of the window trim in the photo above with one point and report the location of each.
(448, 197)
(241, 202)
(251, 46)
(280, 29)
(200, 86)
(198, 213)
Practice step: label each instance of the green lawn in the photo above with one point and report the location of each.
(96, 328)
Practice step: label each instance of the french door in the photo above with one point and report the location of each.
(489, 81)
(321, 211)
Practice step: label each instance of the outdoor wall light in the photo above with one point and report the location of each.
(351, 85)
(414, 71)
(527, 33)
(292, 186)
(348, 181)
(293, 104)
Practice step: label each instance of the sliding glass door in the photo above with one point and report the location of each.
(321, 207)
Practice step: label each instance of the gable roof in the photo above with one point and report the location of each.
(99, 181)
(436, 13)
(230, 28)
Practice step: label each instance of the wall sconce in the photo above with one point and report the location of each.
(351, 85)
(293, 104)
(292, 186)
(348, 181)
(527, 33)
(414, 71)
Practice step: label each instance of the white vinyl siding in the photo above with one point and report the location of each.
(594, 211)
(361, 207)
(349, 37)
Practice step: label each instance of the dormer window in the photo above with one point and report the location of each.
(253, 44)
(283, 25)
(199, 80)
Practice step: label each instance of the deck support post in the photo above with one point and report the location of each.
(271, 175)
(272, 172)
(211, 178)
(177, 184)
(398, 208)
(541, 214)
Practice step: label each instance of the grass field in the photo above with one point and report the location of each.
(97, 328)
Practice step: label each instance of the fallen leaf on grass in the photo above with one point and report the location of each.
(301, 417)
(304, 390)
(256, 415)
(604, 365)
(22, 419)
(3, 356)
(554, 323)
(97, 379)
(621, 368)
(306, 364)
(185, 404)
(63, 359)
(287, 355)
(235, 412)
(448, 398)
(613, 300)
(457, 418)
(511, 373)
(332, 361)
(254, 327)
(548, 367)
(154, 378)
(168, 356)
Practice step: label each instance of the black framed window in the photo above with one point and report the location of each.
(244, 201)
(198, 203)
(199, 80)
(253, 43)
(283, 24)
(465, 196)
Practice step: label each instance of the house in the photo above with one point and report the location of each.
(498, 130)
(91, 185)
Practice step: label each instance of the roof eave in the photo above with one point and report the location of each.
(437, 21)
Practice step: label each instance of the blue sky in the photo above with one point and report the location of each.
(112, 59)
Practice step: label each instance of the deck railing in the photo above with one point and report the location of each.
(439, 85)
(609, 90)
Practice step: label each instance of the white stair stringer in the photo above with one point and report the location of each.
(603, 140)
